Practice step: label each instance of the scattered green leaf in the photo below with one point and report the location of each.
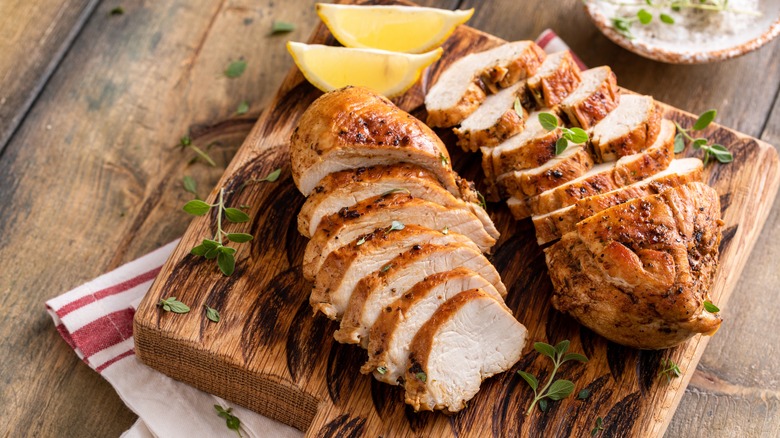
(231, 421)
(282, 27)
(519, 108)
(211, 313)
(583, 394)
(482, 201)
(445, 231)
(190, 185)
(421, 376)
(669, 369)
(444, 160)
(173, 305)
(398, 190)
(186, 143)
(679, 143)
(548, 121)
(361, 241)
(708, 306)
(381, 370)
(561, 145)
(705, 119)
(117, 11)
(395, 226)
(243, 108)
(387, 267)
(644, 16)
(667, 19)
(598, 428)
(273, 176)
(196, 207)
(235, 69)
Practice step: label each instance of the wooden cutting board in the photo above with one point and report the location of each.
(268, 353)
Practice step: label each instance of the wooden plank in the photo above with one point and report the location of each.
(34, 36)
(283, 363)
(92, 177)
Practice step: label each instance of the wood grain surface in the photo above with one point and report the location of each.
(282, 362)
(86, 189)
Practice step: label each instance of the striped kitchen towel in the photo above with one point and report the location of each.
(96, 320)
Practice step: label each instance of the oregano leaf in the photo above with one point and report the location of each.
(705, 119)
(548, 121)
(545, 349)
(530, 379)
(239, 237)
(561, 145)
(227, 263)
(679, 143)
(236, 215)
(235, 69)
(196, 207)
(211, 313)
(560, 389)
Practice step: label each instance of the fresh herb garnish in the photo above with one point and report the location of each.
(421, 376)
(186, 143)
(395, 226)
(211, 313)
(446, 230)
(708, 306)
(599, 427)
(553, 389)
(243, 107)
(281, 27)
(173, 305)
(482, 201)
(271, 177)
(584, 394)
(575, 135)
(381, 370)
(519, 108)
(117, 11)
(361, 241)
(669, 369)
(235, 69)
(214, 248)
(190, 185)
(231, 421)
(716, 151)
(444, 160)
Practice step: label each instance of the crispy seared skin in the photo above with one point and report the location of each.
(596, 97)
(639, 273)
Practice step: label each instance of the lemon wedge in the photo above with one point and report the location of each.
(389, 73)
(407, 29)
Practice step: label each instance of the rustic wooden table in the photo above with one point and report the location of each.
(92, 107)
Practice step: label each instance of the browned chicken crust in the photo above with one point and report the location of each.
(639, 273)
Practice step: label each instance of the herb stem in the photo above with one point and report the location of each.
(556, 364)
(221, 204)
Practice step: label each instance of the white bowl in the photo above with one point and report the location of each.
(764, 29)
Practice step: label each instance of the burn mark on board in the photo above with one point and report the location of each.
(343, 427)
(343, 371)
(306, 341)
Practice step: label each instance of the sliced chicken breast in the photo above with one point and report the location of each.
(639, 273)
(570, 164)
(346, 266)
(604, 177)
(558, 76)
(355, 127)
(495, 120)
(596, 97)
(630, 128)
(394, 329)
(346, 188)
(379, 290)
(553, 225)
(531, 148)
(350, 223)
(470, 338)
(463, 86)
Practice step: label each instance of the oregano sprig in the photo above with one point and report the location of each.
(215, 248)
(231, 421)
(171, 304)
(598, 428)
(553, 389)
(711, 151)
(575, 135)
(669, 369)
(186, 143)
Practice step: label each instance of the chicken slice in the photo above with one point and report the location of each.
(495, 120)
(553, 225)
(639, 273)
(601, 178)
(348, 187)
(376, 292)
(531, 148)
(355, 127)
(558, 76)
(572, 163)
(596, 97)
(630, 128)
(470, 338)
(394, 329)
(350, 223)
(463, 86)
(346, 266)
